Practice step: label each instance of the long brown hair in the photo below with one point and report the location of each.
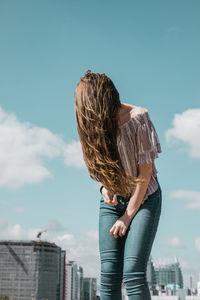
(97, 104)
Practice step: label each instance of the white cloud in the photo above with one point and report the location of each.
(16, 231)
(73, 155)
(192, 198)
(197, 244)
(186, 129)
(23, 148)
(175, 242)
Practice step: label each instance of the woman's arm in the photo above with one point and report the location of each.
(121, 225)
(145, 171)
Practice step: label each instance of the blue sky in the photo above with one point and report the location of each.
(150, 49)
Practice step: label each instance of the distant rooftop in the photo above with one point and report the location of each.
(166, 261)
(28, 243)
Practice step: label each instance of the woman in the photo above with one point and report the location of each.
(119, 144)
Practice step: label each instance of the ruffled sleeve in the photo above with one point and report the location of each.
(147, 141)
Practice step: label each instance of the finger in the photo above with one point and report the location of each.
(115, 232)
(114, 199)
(112, 230)
(120, 232)
(124, 230)
(107, 200)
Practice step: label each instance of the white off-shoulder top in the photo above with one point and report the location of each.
(138, 143)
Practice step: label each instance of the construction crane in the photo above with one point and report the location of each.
(40, 233)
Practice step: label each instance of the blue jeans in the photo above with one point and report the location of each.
(124, 259)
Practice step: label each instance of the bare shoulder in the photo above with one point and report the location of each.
(137, 110)
(129, 111)
(133, 109)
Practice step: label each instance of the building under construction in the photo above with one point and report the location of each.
(30, 270)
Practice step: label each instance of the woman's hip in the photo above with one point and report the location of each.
(153, 201)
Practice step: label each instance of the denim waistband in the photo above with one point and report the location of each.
(123, 198)
(127, 198)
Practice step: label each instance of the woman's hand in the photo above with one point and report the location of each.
(108, 197)
(120, 227)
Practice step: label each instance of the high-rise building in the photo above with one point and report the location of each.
(62, 274)
(72, 281)
(69, 281)
(30, 270)
(169, 274)
(80, 282)
(198, 286)
(151, 274)
(89, 288)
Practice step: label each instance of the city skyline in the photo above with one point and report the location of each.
(151, 52)
(32, 265)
